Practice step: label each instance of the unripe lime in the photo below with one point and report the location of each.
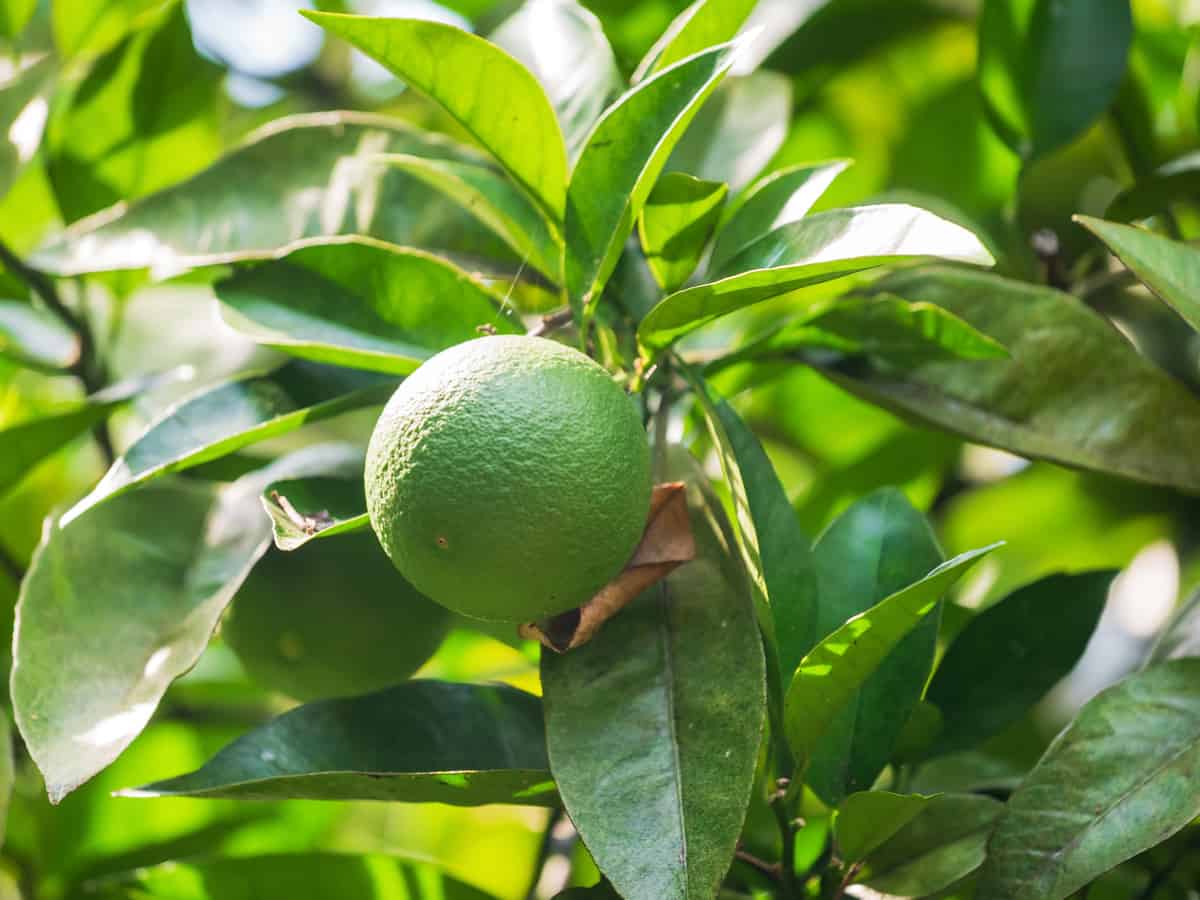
(509, 478)
(332, 619)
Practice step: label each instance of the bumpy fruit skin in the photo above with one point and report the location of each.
(508, 478)
(332, 619)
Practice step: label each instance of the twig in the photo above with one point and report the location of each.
(11, 567)
(789, 888)
(770, 870)
(552, 322)
(550, 847)
(851, 874)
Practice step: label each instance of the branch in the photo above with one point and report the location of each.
(552, 322)
(770, 870)
(553, 845)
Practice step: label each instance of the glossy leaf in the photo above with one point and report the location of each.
(114, 608)
(1074, 390)
(815, 249)
(867, 819)
(124, 133)
(233, 415)
(299, 177)
(840, 664)
(565, 48)
(92, 26)
(676, 223)
(495, 201)
(324, 499)
(1049, 68)
(1169, 268)
(779, 199)
(23, 111)
(1011, 654)
(942, 845)
(1120, 779)
(621, 162)
(704, 24)
(314, 876)
(877, 547)
(35, 337)
(417, 742)
(360, 303)
(488, 92)
(653, 727)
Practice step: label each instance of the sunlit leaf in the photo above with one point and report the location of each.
(14, 14)
(37, 338)
(867, 819)
(676, 223)
(23, 112)
(704, 24)
(92, 26)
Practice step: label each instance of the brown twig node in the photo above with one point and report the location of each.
(666, 544)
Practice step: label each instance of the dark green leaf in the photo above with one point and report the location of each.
(580, 75)
(233, 415)
(1156, 193)
(676, 223)
(942, 845)
(488, 92)
(299, 177)
(144, 118)
(865, 820)
(1049, 68)
(1121, 779)
(704, 24)
(356, 302)
(418, 742)
(36, 338)
(1169, 268)
(813, 250)
(1013, 653)
(23, 111)
(838, 667)
(621, 162)
(653, 727)
(313, 876)
(325, 499)
(779, 199)
(1074, 390)
(92, 26)
(877, 547)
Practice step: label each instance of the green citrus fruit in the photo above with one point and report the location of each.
(509, 478)
(331, 620)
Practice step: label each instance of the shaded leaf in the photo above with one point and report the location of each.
(704, 24)
(488, 92)
(1155, 193)
(942, 845)
(841, 663)
(813, 250)
(23, 111)
(867, 819)
(1169, 268)
(1011, 654)
(323, 497)
(233, 415)
(1074, 390)
(356, 302)
(779, 199)
(653, 727)
(621, 162)
(417, 742)
(1049, 68)
(92, 26)
(37, 338)
(1120, 779)
(676, 223)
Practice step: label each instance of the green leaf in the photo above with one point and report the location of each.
(314, 876)
(114, 608)
(7, 771)
(621, 162)
(819, 248)
(867, 819)
(492, 199)
(1181, 637)
(1074, 390)
(14, 15)
(494, 97)
(676, 223)
(23, 101)
(942, 845)
(360, 303)
(877, 547)
(704, 24)
(325, 499)
(233, 415)
(144, 118)
(1119, 780)
(1049, 68)
(779, 199)
(92, 26)
(739, 129)
(660, 792)
(1154, 194)
(35, 337)
(298, 177)
(1169, 268)
(565, 48)
(417, 742)
(1011, 654)
(840, 665)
